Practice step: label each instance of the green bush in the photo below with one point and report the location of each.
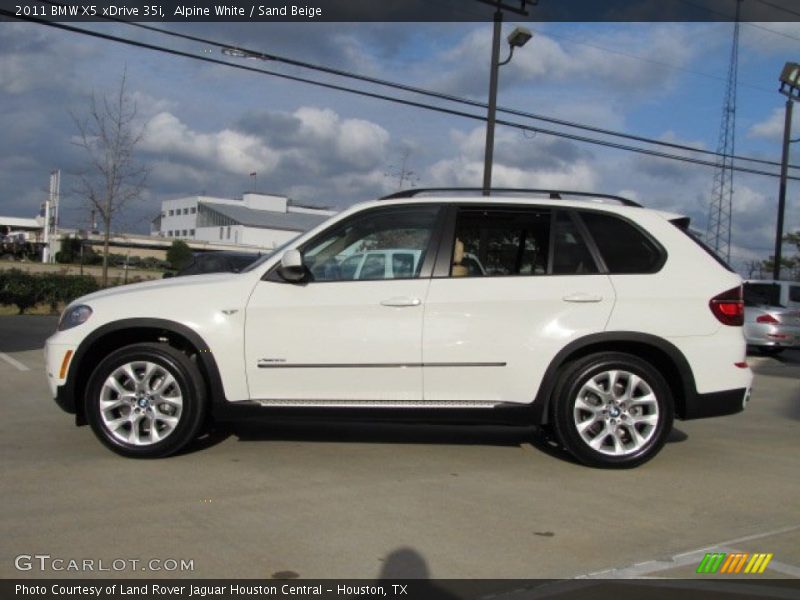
(18, 288)
(179, 254)
(24, 290)
(70, 250)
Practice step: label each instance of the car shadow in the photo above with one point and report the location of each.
(792, 408)
(376, 432)
(544, 441)
(216, 434)
(676, 436)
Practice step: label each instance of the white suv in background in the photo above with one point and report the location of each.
(587, 314)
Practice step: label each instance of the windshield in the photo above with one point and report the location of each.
(263, 258)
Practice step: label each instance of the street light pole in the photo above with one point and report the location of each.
(790, 87)
(517, 39)
(787, 130)
(488, 155)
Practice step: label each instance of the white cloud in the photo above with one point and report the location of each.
(310, 147)
(632, 58)
(356, 142)
(771, 128)
(518, 162)
(230, 150)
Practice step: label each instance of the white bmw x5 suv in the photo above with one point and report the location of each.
(582, 313)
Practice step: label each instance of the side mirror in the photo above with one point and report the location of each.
(292, 268)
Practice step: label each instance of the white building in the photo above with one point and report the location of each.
(258, 220)
(27, 230)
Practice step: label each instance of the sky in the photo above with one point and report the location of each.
(206, 127)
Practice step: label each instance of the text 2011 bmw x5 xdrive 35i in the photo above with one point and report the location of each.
(586, 313)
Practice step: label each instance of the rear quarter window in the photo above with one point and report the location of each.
(624, 247)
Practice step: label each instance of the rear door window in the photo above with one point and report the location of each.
(571, 256)
(500, 242)
(624, 247)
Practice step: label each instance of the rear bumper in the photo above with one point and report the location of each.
(776, 336)
(717, 404)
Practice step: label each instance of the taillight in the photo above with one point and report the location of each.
(728, 307)
(767, 319)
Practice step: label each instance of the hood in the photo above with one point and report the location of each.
(179, 285)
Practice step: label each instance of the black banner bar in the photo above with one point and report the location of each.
(272, 11)
(396, 589)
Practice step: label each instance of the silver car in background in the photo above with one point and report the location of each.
(772, 315)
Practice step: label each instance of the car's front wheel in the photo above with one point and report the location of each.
(612, 410)
(146, 400)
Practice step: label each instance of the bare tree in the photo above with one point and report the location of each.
(755, 269)
(402, 173)
(109, 134)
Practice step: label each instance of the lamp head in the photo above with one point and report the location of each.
(519, 37)
(790, 78)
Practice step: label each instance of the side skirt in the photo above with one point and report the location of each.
(410, 412)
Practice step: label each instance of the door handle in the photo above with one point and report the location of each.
(401, 301)
(579, 297)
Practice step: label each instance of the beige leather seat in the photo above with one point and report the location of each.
(458, 270)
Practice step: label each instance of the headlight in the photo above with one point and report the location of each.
(74, 316)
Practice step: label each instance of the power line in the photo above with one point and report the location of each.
(377, 96)
(441, 95)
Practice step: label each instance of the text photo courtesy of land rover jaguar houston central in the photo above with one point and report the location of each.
(586, 314)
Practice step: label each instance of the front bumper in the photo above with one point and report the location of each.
(57, 359)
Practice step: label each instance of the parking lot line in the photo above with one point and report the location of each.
(13, 362)
(649, 568)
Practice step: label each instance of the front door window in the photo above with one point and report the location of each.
(385, 244)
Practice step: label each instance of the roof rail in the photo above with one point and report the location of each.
(551, 194)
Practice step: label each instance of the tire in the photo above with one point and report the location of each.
(146, 401)
(601, 427)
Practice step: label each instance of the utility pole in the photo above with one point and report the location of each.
(787, 131)
(790, 87)
(55, 182)
(51, 217)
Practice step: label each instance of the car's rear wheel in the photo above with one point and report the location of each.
(146, 400)
(612, 410)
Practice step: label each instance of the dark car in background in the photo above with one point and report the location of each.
(224, 261)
